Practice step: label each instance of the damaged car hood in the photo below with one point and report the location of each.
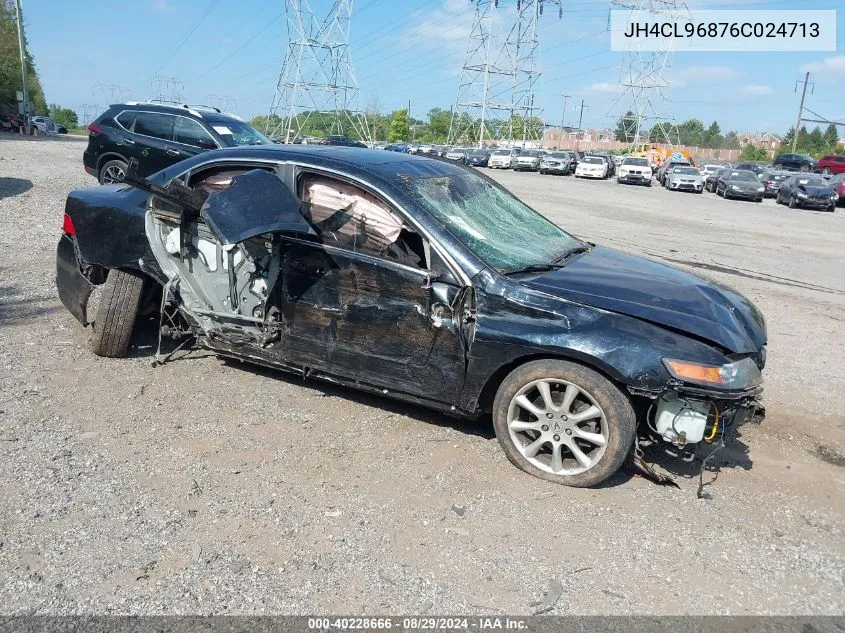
(612, 280)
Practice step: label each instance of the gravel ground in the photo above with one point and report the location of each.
(206, 486)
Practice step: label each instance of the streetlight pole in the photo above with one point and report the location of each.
(23, 67)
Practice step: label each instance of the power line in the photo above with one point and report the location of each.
(188, 35)
(242, 46)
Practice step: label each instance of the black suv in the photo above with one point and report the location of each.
(158, 135)
(794, 162)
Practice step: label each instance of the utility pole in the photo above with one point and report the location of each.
(800, 112)
(563, 119)
(580, 119)
(23, 68)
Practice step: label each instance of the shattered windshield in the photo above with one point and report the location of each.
(235, 133)
(492, 223)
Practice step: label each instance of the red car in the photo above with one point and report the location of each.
(831, 164)
(838, 184)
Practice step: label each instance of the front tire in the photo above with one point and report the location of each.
(793, 203)
(563, 422)
(119, 303)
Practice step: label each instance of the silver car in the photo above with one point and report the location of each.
(685, 179)
(528, 160)
(457, 153)
(502, 158)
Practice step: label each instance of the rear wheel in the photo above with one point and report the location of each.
(563, 422)
(116, 313)
(112, 171)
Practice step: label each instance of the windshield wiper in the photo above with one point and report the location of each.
(572, 251)
(532, 268)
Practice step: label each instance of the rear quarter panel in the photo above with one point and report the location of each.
(109, 223)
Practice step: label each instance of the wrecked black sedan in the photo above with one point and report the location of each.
(422, 280)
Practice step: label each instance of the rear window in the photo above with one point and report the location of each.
(125, 119)
(154, 124)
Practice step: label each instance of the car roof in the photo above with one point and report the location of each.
(390, 166)
(203, 113)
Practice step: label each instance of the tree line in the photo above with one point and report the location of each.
(398, 126)
(10, 66)
(693, 133)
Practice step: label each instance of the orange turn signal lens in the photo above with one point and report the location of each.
(698, 373)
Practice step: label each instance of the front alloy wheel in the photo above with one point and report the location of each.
(563, 422)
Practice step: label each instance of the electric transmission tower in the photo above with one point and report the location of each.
(644, 102)
(317, 84)
(501, 72)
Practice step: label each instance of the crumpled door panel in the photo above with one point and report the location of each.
(256, 202)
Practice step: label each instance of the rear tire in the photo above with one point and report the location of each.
(119, 303)
(112, 171)
(617, 422)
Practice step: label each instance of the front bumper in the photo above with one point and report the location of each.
(636, 179)
(747, 195)
(498, 164)
(555, 169)
(526, 166)
(815, 203)
(589, 174)
(73, 287)
(686, 186)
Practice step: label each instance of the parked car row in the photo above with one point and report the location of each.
(44, 124)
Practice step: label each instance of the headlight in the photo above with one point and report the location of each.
(734, 187)
(737, 375)
(801, 194)
(760, 189)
